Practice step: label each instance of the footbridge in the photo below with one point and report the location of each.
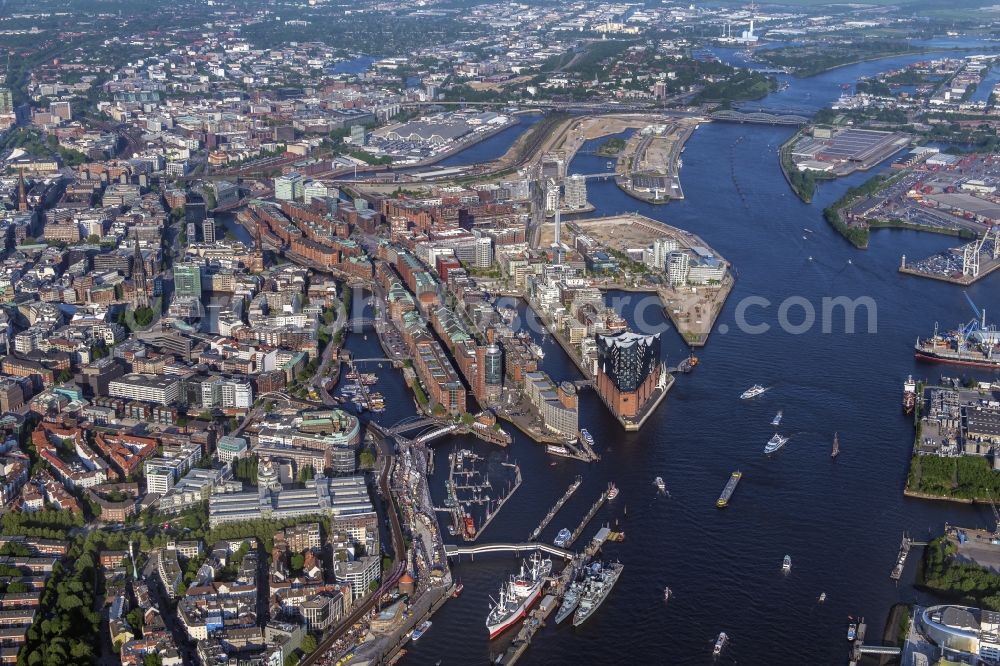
(603, 175)
(879, 649)
(434, 434)
(414, 422)
(357, 323)
(515, 548)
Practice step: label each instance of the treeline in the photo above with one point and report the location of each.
(740, 86)
(67, 626)
(966, 477)
(811, 60)
(245, 469)
(857, 234)
(48, 524)
(966, 583)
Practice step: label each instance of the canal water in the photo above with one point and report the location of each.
(840, 521)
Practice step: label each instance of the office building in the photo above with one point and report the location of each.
(187, 280)
(360, 574)
(314, 189)
(484, 252)
(575, 196)
(551, 197)
(289, 187)
(556, 406)
(341, 498)
(61, 110)
(160, 389)
(231, 447)
(662, 247)
(322, 610)
(494, 366)
(678, 265)
(358, 135)
(208, 229)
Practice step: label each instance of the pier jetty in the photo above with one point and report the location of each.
(586, 519)
(904, 551)
(555, 508)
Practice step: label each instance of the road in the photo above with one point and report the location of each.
(319, 376)
(399, 552)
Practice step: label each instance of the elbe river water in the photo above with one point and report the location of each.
(840, 521)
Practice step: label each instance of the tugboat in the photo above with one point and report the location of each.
(687, 365)
(660, 485)
(786, 564)
(909, 395)
(720, 643)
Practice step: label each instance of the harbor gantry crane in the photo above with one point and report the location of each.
(971, 252)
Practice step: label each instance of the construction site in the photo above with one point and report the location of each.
(694, 280)
(649, 166)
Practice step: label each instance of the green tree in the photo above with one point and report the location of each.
(144, 316)
(298, 560)
(309, 644)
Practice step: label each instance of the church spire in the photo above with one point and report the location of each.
(22, 196)
(140, 299)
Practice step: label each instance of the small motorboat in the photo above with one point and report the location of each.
(786, 564)
(822, 597)
(666, 594)
(720, 643)
(660, 485)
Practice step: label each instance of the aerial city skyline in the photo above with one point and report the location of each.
(455, 333)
